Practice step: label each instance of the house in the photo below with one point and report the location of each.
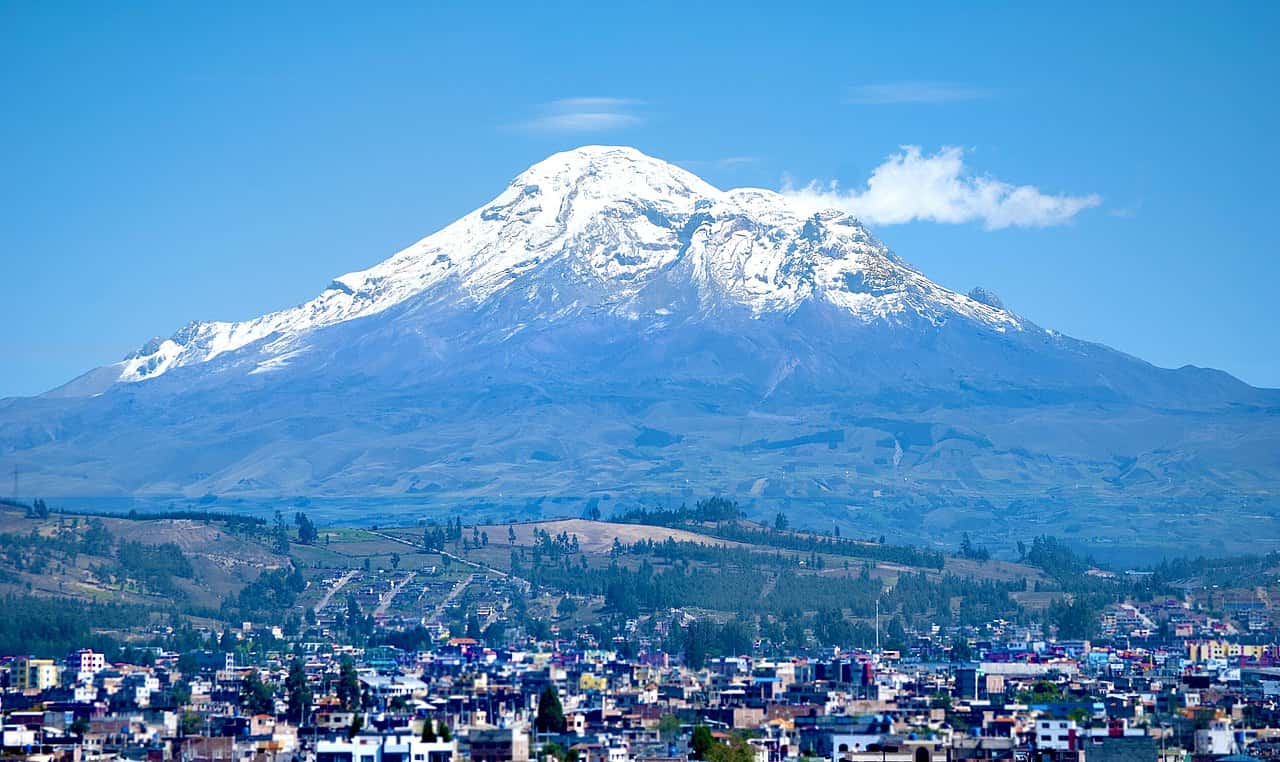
(496, 745)
(83, 665)
(30, 674)
(385, 747)
(1057, 735)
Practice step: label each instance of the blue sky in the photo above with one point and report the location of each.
(170, 162)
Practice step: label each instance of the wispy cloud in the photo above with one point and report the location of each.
(888, 93)
(585, 115)
(728, 162)
(911, 186)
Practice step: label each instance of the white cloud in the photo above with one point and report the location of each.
(910, 187)
(915, 92)
(585, 115)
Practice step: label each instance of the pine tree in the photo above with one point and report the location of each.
(550, 717)
(701, 741)
(348, 685)
(299, 691)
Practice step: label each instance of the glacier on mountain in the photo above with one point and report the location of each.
(612, 223)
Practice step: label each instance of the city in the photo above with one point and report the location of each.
(367, 645)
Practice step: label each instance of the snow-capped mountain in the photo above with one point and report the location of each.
(607, 228)
(610, 327)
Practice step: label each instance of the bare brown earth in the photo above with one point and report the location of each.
(596, 538)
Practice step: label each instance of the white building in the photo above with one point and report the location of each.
(83, 665)
(17, 737)
(1057, 735)
(1216, 740)
(389, 747)
(384, 688)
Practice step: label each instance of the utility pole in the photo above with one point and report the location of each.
(877, 625)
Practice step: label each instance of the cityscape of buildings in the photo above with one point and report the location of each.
(1203, 689)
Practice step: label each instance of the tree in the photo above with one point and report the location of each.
(550, 717)
(736, 751)
(668, 727)
(429, 731)
(780, 522)
(701, 741)
(307, 534)
(446, 735)
(256, 696)
(280, 535)
(357, 724)
(511, 535)
(181, 693)
(38, 509)
(1074, 619)
(696, 644)
(354, 617)
(348, 685)
(295, 684)
(1043, 692)
(960, 649)
(395, 560)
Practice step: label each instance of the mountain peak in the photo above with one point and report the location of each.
(604, 229)
(607, 163)
(588, 176)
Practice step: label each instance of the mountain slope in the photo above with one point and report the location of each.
(613, 325)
